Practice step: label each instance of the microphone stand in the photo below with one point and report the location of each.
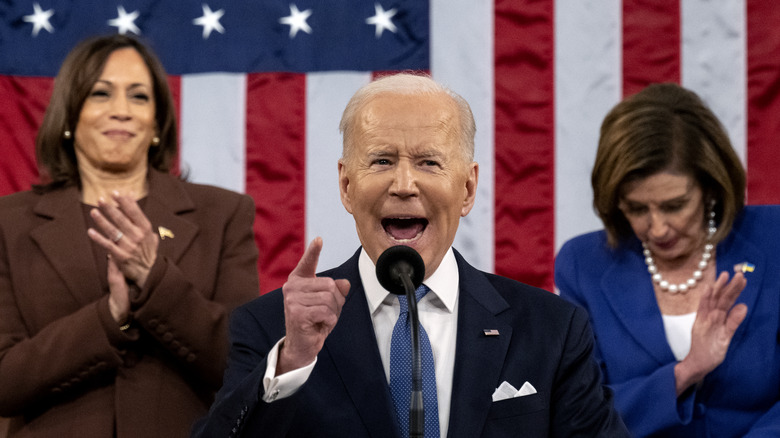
(416, 406)
(398, 269)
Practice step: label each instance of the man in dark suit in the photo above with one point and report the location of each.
(315, 357)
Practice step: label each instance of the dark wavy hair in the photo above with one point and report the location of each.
(79, 72)
(665, 127)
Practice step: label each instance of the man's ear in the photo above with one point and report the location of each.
(470, 189)
(344, 186)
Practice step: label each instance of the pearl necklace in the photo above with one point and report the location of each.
(690, 283)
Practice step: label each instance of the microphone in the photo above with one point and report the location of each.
(400, 269)
(397, 264)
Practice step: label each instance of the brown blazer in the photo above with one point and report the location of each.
(66, 370)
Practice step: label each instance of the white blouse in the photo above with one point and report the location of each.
(678, 333)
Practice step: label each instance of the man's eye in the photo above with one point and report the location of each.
(382, 161)
(431, 163)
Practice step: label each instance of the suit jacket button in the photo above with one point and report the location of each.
(191, 358)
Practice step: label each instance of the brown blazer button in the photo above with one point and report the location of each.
(191, 358)
(162, 328)
(168, 337)
(153, 323)
(183, 351)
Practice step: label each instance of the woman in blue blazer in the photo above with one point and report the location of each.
(683, 285)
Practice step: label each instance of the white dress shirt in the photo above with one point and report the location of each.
(438, 316)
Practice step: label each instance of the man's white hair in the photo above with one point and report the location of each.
(407, 84)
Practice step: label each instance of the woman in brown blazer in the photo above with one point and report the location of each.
(116, 278)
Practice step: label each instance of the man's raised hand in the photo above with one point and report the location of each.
(312, 306)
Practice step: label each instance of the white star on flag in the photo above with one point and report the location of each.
(210, 21)
(124, 22)
(382, 20)
(296, 20)
(40, 19)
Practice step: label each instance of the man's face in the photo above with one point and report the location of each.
(406, 181)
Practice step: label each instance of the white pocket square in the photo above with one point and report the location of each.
(506, 391)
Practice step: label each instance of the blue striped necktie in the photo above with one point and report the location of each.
(401, 371)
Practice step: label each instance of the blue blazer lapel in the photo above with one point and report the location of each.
(478, 358)
(629, 291)
(736, 250)
(363, 373)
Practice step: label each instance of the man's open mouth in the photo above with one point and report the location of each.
(404, 228)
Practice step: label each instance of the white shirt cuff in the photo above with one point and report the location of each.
(278, 387)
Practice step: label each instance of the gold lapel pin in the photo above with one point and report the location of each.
(164, 232)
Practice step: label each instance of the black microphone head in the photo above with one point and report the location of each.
(397, 261)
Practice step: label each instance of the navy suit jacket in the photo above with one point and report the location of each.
(741, 397)
(542, 339)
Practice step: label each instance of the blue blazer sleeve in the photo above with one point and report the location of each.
(243, 382)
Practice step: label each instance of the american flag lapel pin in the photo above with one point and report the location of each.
(490, 332)
(164, 232)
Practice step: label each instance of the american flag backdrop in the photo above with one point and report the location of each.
(260, 86)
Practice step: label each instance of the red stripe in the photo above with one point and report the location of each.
(276, 171)
(174, 83)
(651, 43)
(763, 96)
(23, 102)
(524, 141)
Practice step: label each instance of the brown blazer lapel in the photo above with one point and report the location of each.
(64, 243)
(167, 208)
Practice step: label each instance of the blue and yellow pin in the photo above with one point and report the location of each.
(744, 267)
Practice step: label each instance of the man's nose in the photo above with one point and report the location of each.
(404, 180)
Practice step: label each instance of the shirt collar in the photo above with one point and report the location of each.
(443, 283)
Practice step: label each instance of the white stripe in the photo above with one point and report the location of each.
(714, 61)
(326, 96)
(213, 129)
(588, 83)
(463, 61)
